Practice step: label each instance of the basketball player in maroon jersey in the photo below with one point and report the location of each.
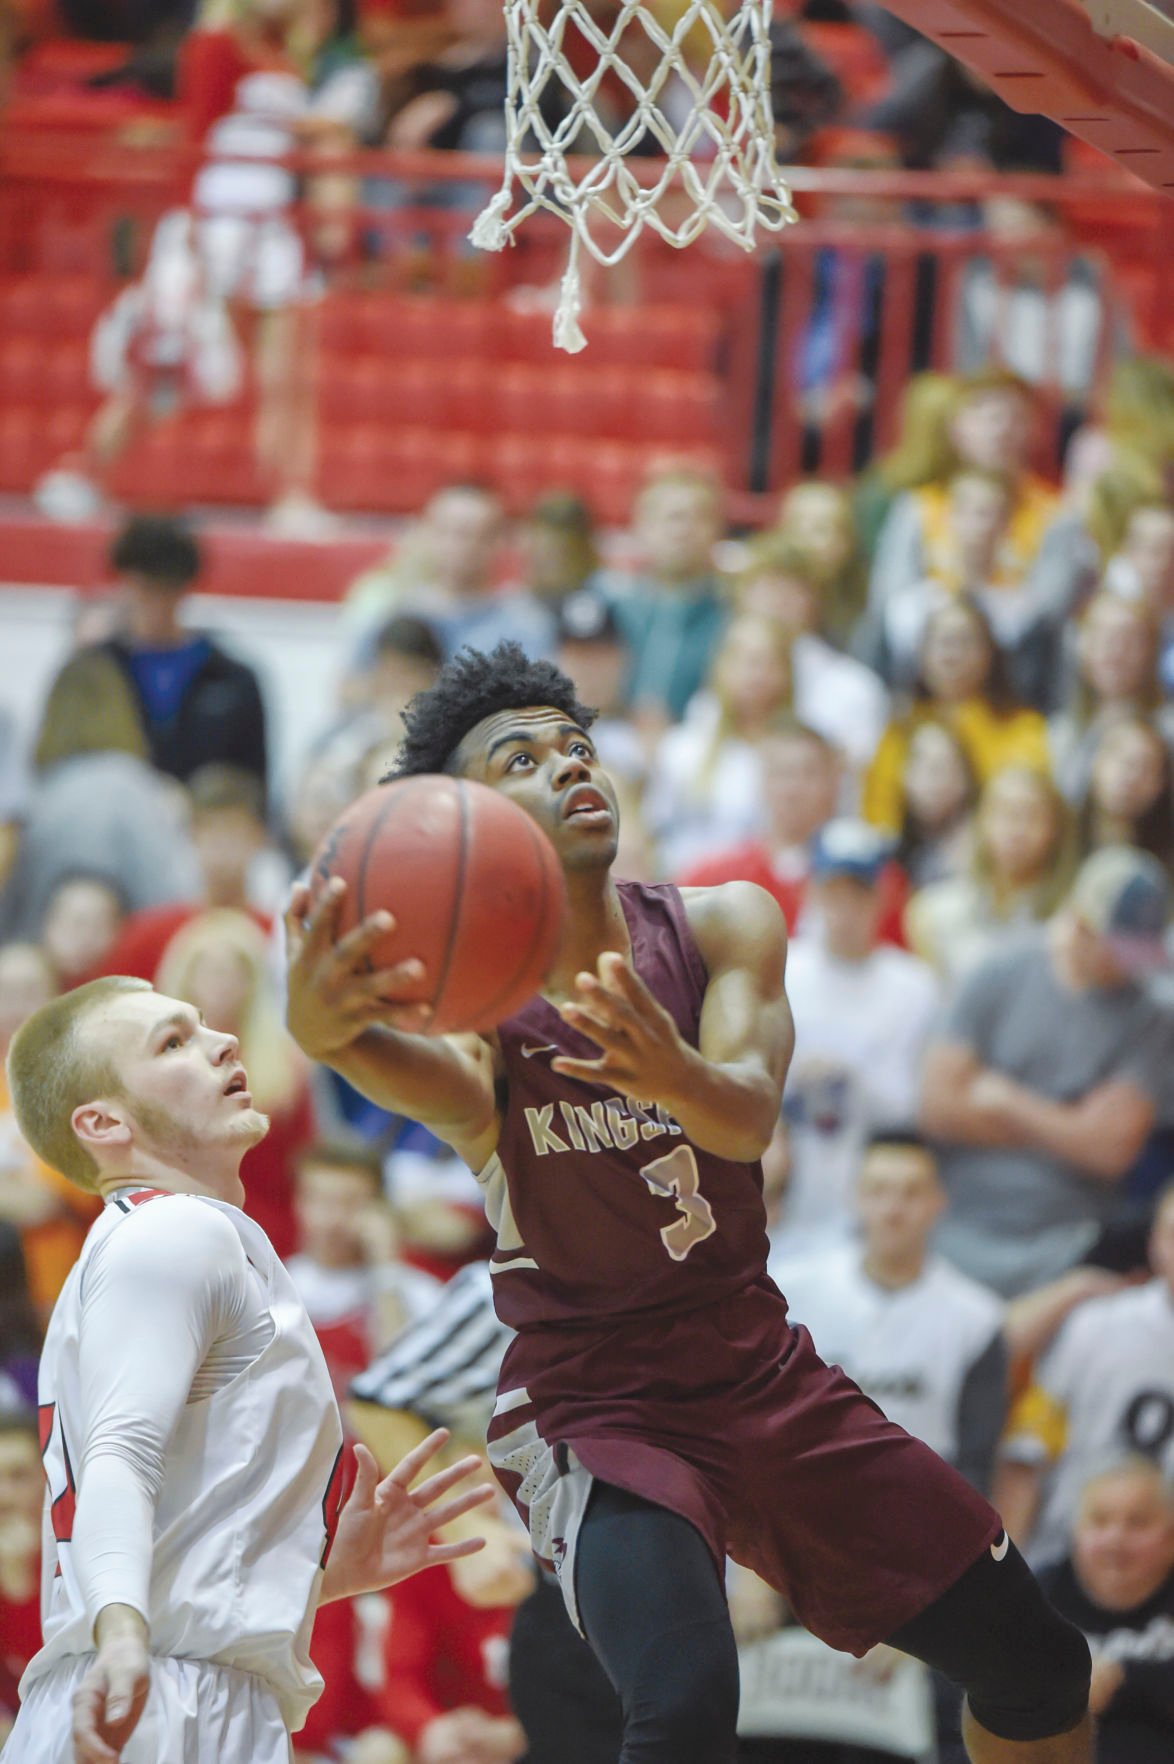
(657, 1411)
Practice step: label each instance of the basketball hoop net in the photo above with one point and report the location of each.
(675, 81)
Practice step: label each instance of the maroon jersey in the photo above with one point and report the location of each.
(603, 1207)
(671, 1369)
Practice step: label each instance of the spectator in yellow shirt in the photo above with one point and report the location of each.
(961, 681)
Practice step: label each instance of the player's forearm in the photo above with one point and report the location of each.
(113, 1540)
(1032, 1320)
(730, 1110)
(421, 1077)
(947, 1114)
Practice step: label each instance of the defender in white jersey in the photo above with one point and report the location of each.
(192, 1444)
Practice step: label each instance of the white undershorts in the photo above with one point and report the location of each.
(196, 1713)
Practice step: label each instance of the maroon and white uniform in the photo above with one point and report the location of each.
(653, 1351)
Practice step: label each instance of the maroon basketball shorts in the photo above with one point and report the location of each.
(728, 1416)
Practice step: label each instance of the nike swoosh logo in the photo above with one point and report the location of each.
(999, 1549)
(528, 1053)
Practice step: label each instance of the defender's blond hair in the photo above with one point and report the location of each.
(54, 1067)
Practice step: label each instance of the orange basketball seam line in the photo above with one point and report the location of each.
(539, 923)
(368, 848)
(458, 896)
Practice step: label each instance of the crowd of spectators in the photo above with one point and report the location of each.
(930, 712)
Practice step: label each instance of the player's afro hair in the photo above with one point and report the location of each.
(471, 687)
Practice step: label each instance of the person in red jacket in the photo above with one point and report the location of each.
(446, 1658)
(21, 1485)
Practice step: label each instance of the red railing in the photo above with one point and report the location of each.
(806, 344)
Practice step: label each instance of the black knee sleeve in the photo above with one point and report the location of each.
(654, 1610)
(1025, 1669)
(682, 1699)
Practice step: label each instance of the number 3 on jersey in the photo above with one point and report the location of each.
(676, 1178)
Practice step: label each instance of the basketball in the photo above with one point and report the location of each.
(474, 887)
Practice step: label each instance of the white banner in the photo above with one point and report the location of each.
(794, 1686)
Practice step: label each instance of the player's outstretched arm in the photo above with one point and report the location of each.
(727, 1091)
(156, 1295)
(342, 1012)
(385, 1532)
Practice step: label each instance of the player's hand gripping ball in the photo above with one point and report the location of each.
(473, 888)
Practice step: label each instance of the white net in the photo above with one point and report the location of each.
(626, 114)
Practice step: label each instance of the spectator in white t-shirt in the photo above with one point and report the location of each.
(924, 1341)
(863, 1012)
(1104, 1387)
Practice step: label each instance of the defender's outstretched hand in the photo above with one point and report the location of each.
(334, 992)
(385, 1530)
(643, 1053)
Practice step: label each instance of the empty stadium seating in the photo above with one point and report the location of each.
(411, 391)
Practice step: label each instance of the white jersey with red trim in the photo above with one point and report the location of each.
(192, 1445)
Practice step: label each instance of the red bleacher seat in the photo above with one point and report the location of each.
(354, 466)
(77, 301)
(393, 471)
(470, 328)
(675, 408)
(348, 390)
(339, 322)
(574, 400)
(514, 466)
(415, 390)
(22, 366)
(523, 336)
(24, 450)
(397, 328)
(159, 470)
(469, 396)
(67, 372)
(65, 429)
(517, 394)
(221, 460)
(454, 456)
(28, 306)
(653, 336)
